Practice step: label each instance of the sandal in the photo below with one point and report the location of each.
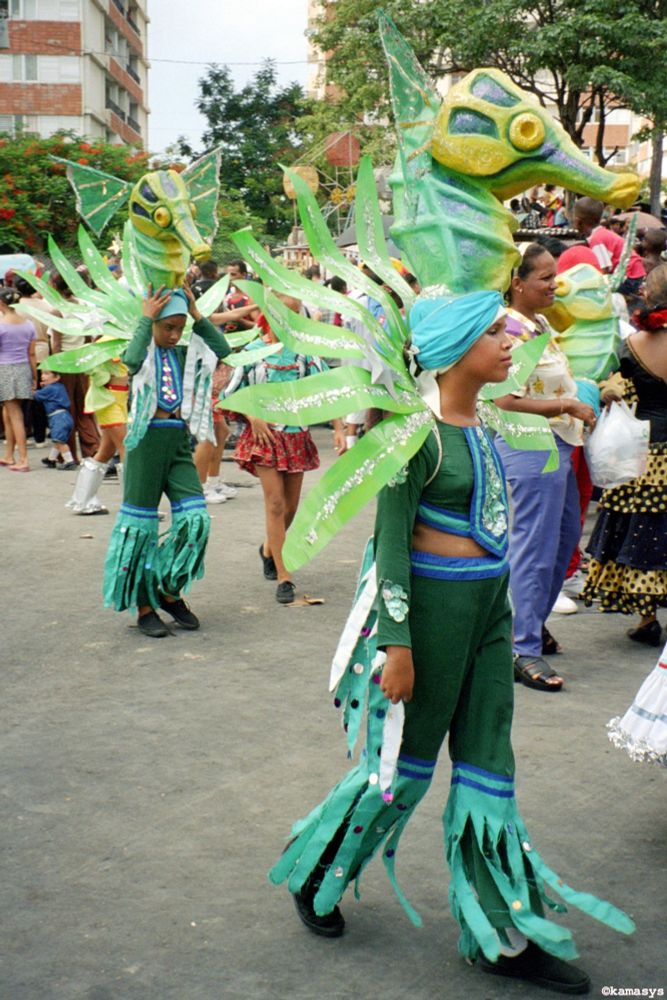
(550, 646)
(534, 672)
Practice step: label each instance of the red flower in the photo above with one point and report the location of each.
(7, 214)
(83, 161)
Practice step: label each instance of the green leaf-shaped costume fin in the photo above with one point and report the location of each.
(354, 479)
(527, 431)
(370, 234)
(319, 398)
(85, 359)
(213, 296)
(98, 195)
(524, 359)
(201, 178)
(414, 99)
(619, 274)
(392, 336)
(308, 336)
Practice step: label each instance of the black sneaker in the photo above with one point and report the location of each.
(285, 592)
(536, 966)
(331, 925)
(270, 571)
(152, 625)
(180, 612)
(50, 463)
(68, 466)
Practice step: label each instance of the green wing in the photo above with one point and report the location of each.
(98, 195)
(370, 234)
(319, 398)
(390, 339)
(85, 359)
(201, 178)
(354, 479)
(414, 100)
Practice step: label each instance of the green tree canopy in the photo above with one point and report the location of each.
(583, 56)
(256, 130)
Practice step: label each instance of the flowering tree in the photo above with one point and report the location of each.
(35, 196)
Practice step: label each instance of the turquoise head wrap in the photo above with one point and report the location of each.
(177, 305)
(444, 328)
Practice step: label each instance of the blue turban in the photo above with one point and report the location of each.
(178, 305)
(443, 329)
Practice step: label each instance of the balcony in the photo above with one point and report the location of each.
(117, 110)
(119, 6)
(132, 23)
(133, 73)
(134, 124)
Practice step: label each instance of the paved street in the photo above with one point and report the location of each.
(148, 785)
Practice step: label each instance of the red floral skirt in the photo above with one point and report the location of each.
(287, 453)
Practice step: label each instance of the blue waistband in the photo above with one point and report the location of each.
(167, 422)
(456, 568)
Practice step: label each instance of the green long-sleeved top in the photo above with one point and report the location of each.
(450, 489)
(134, 354)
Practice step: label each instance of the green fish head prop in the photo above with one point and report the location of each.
(161, 209)
(489, 129)
(583, 293)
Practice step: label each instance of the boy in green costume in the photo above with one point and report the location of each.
(140, 571)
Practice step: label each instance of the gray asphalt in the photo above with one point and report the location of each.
(148, 785)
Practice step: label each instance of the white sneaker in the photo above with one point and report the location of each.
(564, 606)
(212, 496)
(228, 492)
(574, 586)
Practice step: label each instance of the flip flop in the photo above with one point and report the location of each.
(4, 461)
(17, 468)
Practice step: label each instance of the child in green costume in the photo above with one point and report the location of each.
(429, 637)
(170, 382)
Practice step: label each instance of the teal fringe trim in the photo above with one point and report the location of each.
(131, 561)
(182, 550)
(481, 815)
(369, 821)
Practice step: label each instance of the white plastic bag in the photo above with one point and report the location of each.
(617, 449)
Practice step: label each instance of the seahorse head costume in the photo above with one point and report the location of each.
(171, 219)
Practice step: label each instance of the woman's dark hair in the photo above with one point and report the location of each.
(652, 314)
(58, 282)
(555, 246)
(528, 261)
(336, 284)
(312, 272)
(9, 295)
(23, 287)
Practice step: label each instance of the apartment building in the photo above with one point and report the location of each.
(74, 64)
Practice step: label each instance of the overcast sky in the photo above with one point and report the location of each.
(206, 31)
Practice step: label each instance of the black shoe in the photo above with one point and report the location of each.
(50, 463)
(180, 612)
(285, 592)
(331, 925)
(650, 634)
(151, 624)
(68, 466)
(537, 966)
(270, 571)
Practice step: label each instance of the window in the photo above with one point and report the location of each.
(24, 68)
(41, 10)
(13, 124)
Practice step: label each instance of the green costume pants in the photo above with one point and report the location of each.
(461, 638)
(139, 564)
